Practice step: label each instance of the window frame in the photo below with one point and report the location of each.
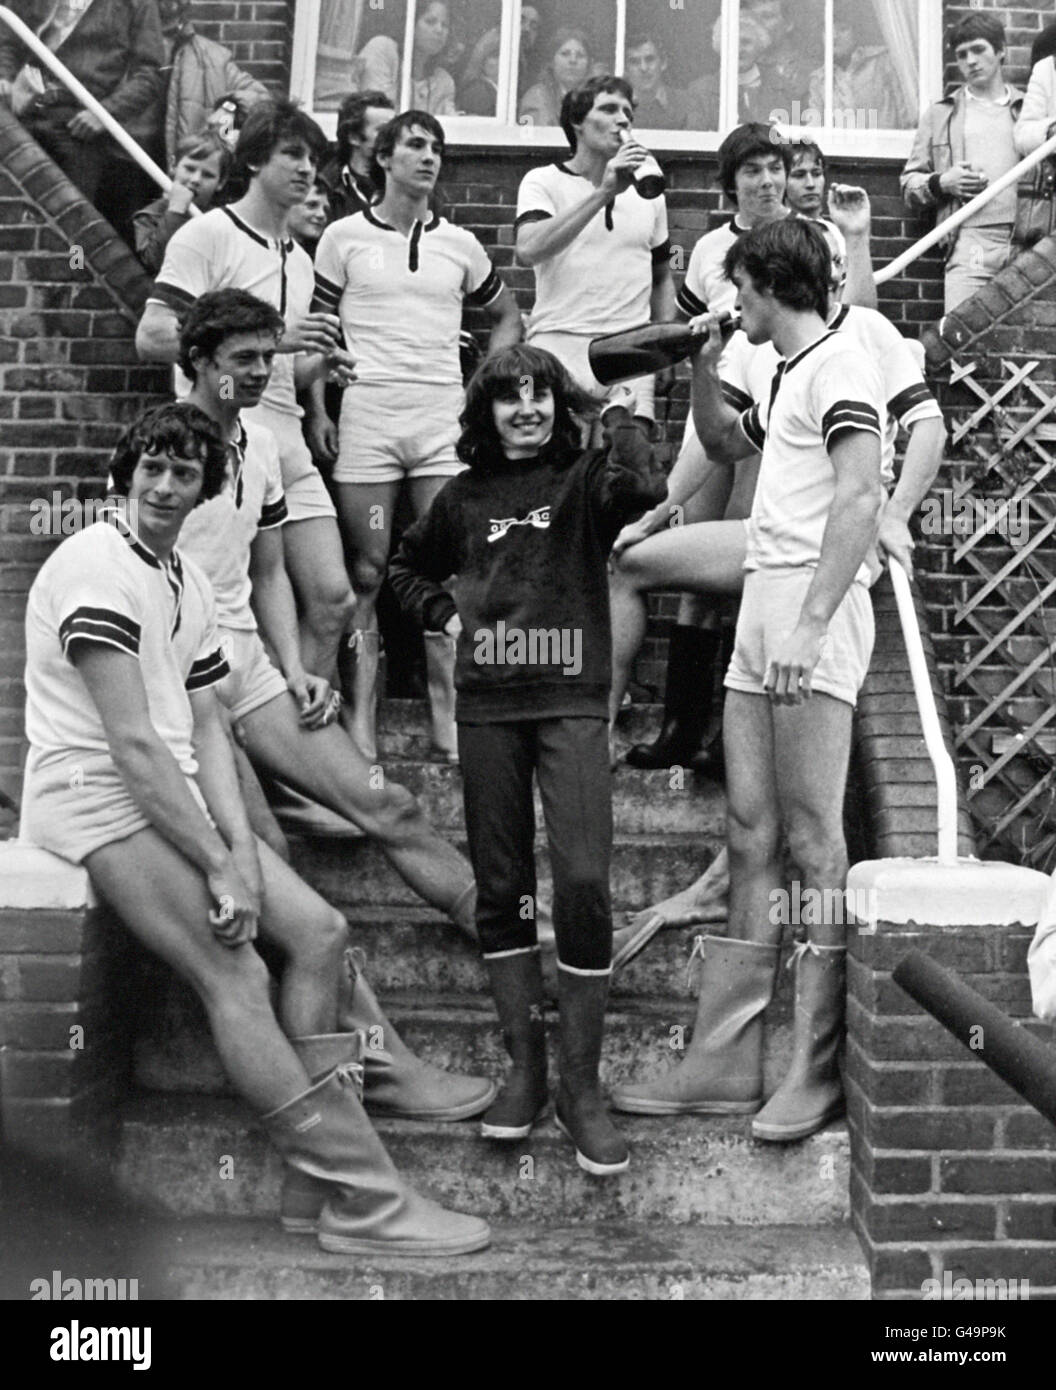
(503, 133)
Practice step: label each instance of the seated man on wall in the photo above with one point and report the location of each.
(130, 772)
(115, 49)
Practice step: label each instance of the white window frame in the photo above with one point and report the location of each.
(505, 134)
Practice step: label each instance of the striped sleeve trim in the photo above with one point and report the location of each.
(273, 514)
(735, 397)
(910, 399)
(662, 252)
(326, 293)
(484, 294)
(100, 625)
(689, 304)
(533, 215)
(207, 671)
(172, 295)
(849, 415)
(753, 427)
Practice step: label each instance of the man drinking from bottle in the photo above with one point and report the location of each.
(599, 249)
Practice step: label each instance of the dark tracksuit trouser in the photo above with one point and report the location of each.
(570, 759)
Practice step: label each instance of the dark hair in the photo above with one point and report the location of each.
(790, 258)
(579, 102)
(806, 148)
(177, 428)
(749, 142)
(388, 137)
(642, 37)
(978, 25)
(479, 444)
(202, 146)
(267, 124)
(351, 116)
(423, 9)
(219, 315)
(1044, 46)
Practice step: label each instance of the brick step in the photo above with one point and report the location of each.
(581, 1260)
(683, 1169)
(176, 1053)
(643, 803)
(414, 948)
(645, 869)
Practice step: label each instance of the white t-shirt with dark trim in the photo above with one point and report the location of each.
(706, 289)
(828, 388)
(400, 297)
(747, 373)
(219, 251)
(603, 281)
(103, 585)
(219, 534)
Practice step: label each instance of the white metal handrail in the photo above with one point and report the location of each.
(44, 54)
(941, 761)
(951, 223)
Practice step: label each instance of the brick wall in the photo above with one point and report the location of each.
(70, 296)
(258, 33)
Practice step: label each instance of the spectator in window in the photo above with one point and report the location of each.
(964, 143)
(308, 220)
(753, 97)
(566, 69)
(488, 45)
(432, 86)
(786, 67)
(348, 177)
(480, 95)
(863, 79)
(115, 48)
(660, 107)
(202, 162)
(200, 73)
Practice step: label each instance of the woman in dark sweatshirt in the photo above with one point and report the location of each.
(526, 532)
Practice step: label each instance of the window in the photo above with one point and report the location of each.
(853, 73)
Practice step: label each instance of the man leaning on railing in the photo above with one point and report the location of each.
(115, 48)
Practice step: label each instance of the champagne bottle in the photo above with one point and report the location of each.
(648, 177)
(647, 349)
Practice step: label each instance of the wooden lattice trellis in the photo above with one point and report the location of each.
(1002, 468)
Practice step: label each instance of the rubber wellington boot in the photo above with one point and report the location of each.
(582, 1111)
(722, 1071)
(517, 988)
(325, 1133)
(363, 646)
(688, 700)
(395, 1081)
(440, 679)
(303, 1197)
(810, 1094)
(710, 759)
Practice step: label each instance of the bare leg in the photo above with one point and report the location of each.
(752, 817)
(163, 901)
(326, 765)
(316, 565)
(705, 900)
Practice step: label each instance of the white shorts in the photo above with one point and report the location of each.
(388, 433)
(570, 349)
(306, 494)
(770, 608)
(75, 802)
(253, 680)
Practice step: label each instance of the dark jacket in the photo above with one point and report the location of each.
(116, 50)
(528, 543)
(348, 193)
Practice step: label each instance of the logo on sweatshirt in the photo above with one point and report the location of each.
(539, 518)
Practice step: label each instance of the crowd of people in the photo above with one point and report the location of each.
(187, 656)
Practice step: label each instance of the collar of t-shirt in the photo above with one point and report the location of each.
(1004, 100)
(414, 236)
(286, 245)
(115, 514)
(609, 206)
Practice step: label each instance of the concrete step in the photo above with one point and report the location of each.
(176, 1052)
(643, 803)
(683, 1169)
(585, 1260)
(403, 727)
(645, 869)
